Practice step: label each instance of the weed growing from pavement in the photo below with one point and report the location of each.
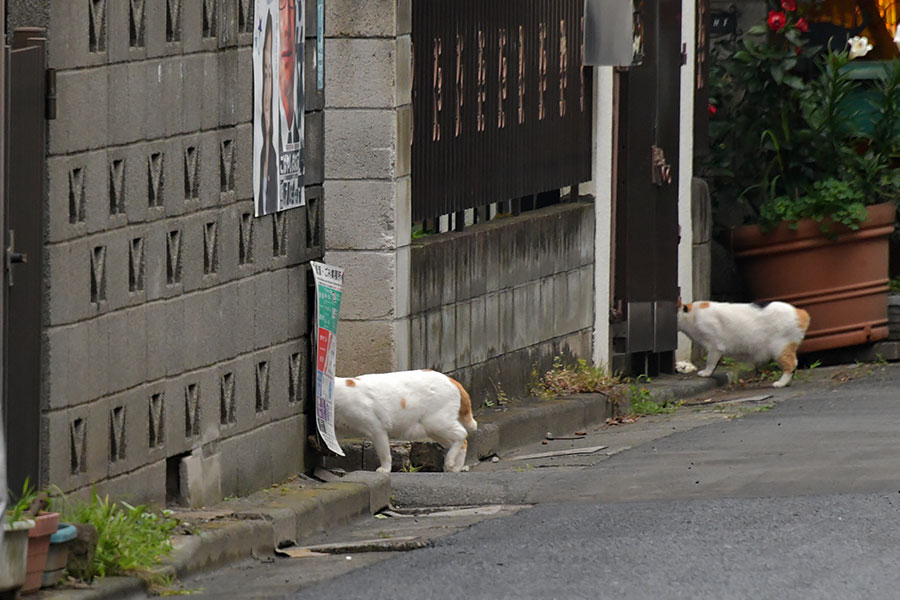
(579, 377)
(130, 539)
(642, 402)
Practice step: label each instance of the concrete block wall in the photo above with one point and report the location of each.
(493, 303)
(368, 226)
(175, 323)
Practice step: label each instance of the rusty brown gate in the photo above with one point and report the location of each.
(645, 246)
(501, 103)
(27, 109)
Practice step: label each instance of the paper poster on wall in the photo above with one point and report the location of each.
(278, 105)
(329, 285)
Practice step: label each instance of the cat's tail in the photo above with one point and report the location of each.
(465, 408)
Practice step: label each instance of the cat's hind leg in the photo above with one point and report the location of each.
(712, 359)
(787, 361)
(456, 444)
(383, 449)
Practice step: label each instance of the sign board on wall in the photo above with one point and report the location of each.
(278, 105)
(329, 285)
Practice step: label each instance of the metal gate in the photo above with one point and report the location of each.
(645, 247)
(25, 133)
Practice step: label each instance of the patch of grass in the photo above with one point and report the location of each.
(895, 285)
(642, 402)
(166, 585)
(131, 539)
(578, 378)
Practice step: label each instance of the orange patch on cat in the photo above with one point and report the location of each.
(402, 402)
(465, 403)
(803, 319)
(787, 360)
(351, 383)
(703, 305)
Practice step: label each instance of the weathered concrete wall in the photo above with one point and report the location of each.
(492, 303)
(367, 128)
(175, 323)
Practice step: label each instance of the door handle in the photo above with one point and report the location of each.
(13, 257)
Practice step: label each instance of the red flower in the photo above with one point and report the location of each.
(776, 20)
(802, 25)
(789, 5)
(712, 109)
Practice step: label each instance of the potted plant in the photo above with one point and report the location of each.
(818, 183)
(14, 553)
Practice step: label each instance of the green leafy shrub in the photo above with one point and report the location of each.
(578, 378)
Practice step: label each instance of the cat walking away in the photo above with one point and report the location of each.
(406, 405)
(747, 332)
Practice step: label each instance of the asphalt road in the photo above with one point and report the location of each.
(796, 496)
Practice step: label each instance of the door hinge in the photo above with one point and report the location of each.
(50, 106)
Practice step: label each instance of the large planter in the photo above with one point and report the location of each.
(38, 545)
(842, 282)
(14, 555)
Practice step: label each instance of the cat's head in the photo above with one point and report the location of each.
(685, 314)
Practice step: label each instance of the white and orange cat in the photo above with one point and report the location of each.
(746, 332)
(406, 405)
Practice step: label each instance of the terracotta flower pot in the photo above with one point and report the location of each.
(842, 282)
(38, 545)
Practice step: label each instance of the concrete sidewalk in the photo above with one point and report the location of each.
(289, 512)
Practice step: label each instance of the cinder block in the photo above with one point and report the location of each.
(175, 336)
(523, 319)
(478, 336)
(492, 324)
(179, 437)
(136, 182)
(403, 91)
(227, 21)
(263, 241)
(585, 298)
(146, 485)
(280, 300)
(209, 94)
(298, 310)
(194, 336)
(561, 299)
(573, 282)
(154, 120)
(280, 380)
(201, 479)
(547, 309)
(243, 87)
(81, 121)
(192, 250)
(359, 144)
(418, 341)
(243, 161)
(54, 368)
(287, 443)
(507, 316)
(75, 184)
(369, 283)
(492, 246)
(127, 334)
(250, 458)
(434, 341)
(461, 247)
(209, 408)
(360, 73)
(192, 101)
(173, 94)
(69, 282)
(365, 347)
(73, 41)
(463, 334)
(192, 28)
(244, 328)
(155, 28)
(82, 434)
(73, 360)
(128, 430)
(244, 373)
(127, 101)
(215, 329)
(228, 91)
(263, 306)
(123, 45)
(449, 358)
(343, 18)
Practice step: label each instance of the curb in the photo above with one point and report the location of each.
(287, 513)
(252, 526)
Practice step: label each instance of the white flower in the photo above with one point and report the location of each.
(859, 46)
(897, 37)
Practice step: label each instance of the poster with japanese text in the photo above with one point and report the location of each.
(278, 105)
(329, 285)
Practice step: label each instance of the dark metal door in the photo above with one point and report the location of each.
(25, 144)
(645, 278)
